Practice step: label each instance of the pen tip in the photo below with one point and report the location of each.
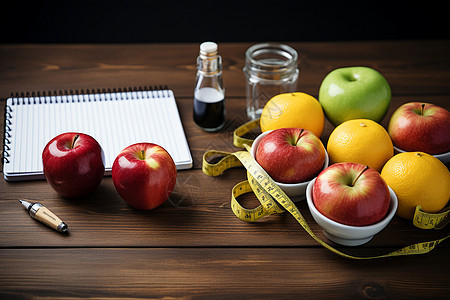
(25, 203)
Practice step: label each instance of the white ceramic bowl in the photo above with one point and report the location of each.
(444, 157)
(291, 189)
(349, 235)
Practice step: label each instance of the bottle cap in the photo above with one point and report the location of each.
(208, 48)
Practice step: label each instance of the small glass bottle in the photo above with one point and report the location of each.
(209, 94)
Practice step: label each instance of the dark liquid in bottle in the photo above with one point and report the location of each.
(209, 109)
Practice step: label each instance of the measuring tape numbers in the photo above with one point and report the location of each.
(426, 220)
(272, 198)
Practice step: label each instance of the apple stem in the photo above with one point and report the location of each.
(142, 154)
(299, 136)
(74, 141)
(422, 107)
(359, 175)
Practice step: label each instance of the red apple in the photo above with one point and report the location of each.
(351, 194)
(144, 175)
(74, 164)
(291, 155)
(418, 126)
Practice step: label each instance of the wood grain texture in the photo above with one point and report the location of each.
(193, 247)
(411, 67)
(204, 273)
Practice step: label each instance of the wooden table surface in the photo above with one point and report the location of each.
(193, 247)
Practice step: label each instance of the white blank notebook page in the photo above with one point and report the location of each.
(115, 120)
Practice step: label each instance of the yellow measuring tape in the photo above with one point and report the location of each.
(272, 198)
(238, 139)
(426, 220)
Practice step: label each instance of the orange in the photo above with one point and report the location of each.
(298, 110)
(417, 178)
(360, 141)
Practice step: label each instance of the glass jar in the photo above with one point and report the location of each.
(271, 69)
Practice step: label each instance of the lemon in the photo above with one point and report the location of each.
(360, 141)
(298, 110)
(417, 178)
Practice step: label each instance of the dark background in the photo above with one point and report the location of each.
(221, 21)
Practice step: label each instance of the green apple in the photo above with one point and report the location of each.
(354, 93)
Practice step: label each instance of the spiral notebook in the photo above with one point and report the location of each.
(115, 118)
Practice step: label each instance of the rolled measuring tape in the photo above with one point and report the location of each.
(274, 200)
(426, 220)
(421, 219)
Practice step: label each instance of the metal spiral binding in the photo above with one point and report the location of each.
(6, 134)
(41, 97)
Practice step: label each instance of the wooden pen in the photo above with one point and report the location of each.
(44, 215)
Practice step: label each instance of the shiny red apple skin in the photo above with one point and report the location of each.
(73, 169)
(291, 155)
(364, 203)
(427, 129)
(144, 175)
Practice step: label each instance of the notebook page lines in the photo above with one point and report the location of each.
(171, 143)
